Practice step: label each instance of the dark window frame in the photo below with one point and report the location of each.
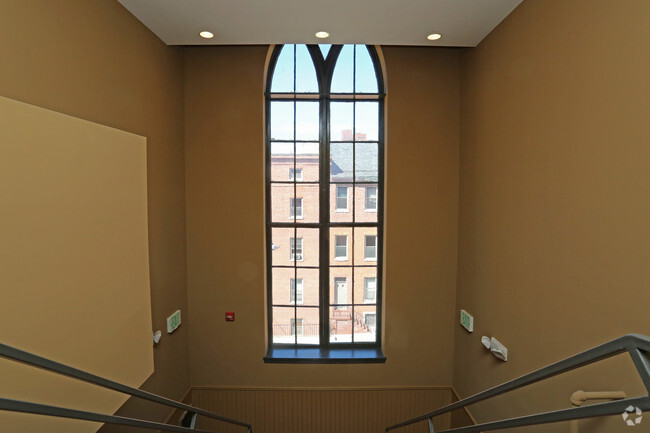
(324, 71)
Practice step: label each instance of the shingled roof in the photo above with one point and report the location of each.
(342, 165)
(365, 156)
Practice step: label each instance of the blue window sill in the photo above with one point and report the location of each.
(314, 355)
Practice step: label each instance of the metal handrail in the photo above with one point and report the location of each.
(637, 346)
(33, 360)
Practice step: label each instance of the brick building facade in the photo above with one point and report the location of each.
(352, 250)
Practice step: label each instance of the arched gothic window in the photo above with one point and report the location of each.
(324, 196)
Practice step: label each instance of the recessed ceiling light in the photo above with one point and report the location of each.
(322, 35)
(434, 36)
(206, 35)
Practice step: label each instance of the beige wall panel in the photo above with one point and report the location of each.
(75, 280)
(225, 207)
(555, 180)
(321, 410)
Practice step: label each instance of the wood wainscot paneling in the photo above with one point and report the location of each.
(322, 410)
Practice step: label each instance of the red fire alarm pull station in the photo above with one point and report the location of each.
(230, 317)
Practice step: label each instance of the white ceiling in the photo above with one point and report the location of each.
(462, 23)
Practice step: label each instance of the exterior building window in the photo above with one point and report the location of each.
(296, 327)
(296, 249)
(370, 290)
(296, 208)
(296, 291)
(324, 159)
(370, 319)
(371, 199)
(341, 247)
(341, 198)
(295, 174)
(371, 248)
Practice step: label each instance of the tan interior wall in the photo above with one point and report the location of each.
(322, 410)
(95, 61)
(555, 175)
(225, 193)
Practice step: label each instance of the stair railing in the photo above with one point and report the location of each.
(637, 346)
(21, 356)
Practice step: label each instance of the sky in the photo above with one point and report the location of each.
(364, 114)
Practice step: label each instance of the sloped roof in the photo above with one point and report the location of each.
(343, 160)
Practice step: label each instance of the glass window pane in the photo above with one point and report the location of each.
(325, 49)
(281, 161)
(305, 72)
(366, 79)
(341, 165)
(365, 323)
(339, 233)
(307, 155)
(309, 245)
(307, 121)
(310, 203)
(283, 74)
(366, 162)
(343, 78)
(340, 325)
(341, 121)
(340, 204)
(366, 121)
(282, 321)
(281, 120)
(307, 328)
(282, 203)
(310, 286)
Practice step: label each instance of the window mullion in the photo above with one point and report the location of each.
(324, 220)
